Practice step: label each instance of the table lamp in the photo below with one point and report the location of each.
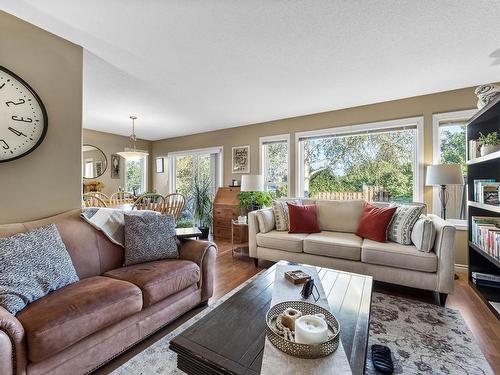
(443, 175)
(252, 183)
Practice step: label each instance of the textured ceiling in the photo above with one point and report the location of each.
(186, 66)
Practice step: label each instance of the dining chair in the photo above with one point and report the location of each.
(100, 195)
(122, 197)
(92, 200)
(153, 202)
(174, 204)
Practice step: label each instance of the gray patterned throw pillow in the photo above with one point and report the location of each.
(280, 209)
(32, 265)
(402, 223)
(149, 236)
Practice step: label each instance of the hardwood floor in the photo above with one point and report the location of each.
(232, 271)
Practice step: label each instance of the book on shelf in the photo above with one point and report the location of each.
(485, 233)
(479, 189)
(486, 277)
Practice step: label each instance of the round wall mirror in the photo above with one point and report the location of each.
(94, 162)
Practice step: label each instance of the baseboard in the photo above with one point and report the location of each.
(461, 268)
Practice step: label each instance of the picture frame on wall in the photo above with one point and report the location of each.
(115, 166)
(160, 165)
(240, 159)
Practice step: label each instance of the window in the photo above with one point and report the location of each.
(89, 167)
(275, 164)
(186, 166)
(377, 162)
(450, 147)
(136, 176)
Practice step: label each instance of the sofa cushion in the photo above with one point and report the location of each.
(149, 237)
(374, 222)
(281, 240)
(159, 279)
(402, 223)
(334, 244)
(32, 265)
(70, 314)
(303, 219)
(280, 210)
(393, 254)
(423, 234)
(339, 216)
(265, 219)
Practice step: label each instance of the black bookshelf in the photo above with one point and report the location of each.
(485, 120)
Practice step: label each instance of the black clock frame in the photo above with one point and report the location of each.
(44, 113)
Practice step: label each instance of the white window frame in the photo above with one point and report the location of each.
(144, 179)
(199, 151)
(262, 156)
(418, 162)
(437, 120)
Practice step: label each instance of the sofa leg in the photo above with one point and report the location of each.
(256, 262)
(442, 298)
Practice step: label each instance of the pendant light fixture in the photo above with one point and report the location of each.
(132, 153)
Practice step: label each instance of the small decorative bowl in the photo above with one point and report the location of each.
(304, 350)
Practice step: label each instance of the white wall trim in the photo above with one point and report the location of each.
(437, 119)
(418, 121)
(461, 268)
(262, 159)
(198, 151)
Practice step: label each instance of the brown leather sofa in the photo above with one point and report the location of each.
(78, 328)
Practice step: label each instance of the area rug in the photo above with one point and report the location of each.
(424, 339)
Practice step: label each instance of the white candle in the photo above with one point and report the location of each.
(311, 329)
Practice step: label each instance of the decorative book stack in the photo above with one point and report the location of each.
(486, 191)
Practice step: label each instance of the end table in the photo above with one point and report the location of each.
(242, 245)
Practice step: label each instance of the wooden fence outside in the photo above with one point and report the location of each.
(369, 194)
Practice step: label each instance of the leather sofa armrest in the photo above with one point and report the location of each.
(203, 253)
(12, 344)
(444, 247)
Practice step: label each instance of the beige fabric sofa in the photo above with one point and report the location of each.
(339, 248)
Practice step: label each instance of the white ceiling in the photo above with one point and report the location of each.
(185, 66)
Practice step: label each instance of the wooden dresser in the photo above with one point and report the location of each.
(226, 209)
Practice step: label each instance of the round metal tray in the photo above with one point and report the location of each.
(304, 350)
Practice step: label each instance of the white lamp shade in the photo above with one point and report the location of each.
(444, 174)
(252, 182)
(133, 155)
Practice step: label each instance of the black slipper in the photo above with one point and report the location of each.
(382, 360)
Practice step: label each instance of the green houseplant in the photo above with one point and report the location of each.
(253, 200)
(489, 143)
(202, 205)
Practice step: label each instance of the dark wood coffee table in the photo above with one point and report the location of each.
(230, 339)
(183, 233)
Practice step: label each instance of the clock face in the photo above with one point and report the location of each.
(23, 119)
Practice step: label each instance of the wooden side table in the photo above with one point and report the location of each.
(243, 239)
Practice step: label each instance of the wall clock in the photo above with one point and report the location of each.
(23, 118)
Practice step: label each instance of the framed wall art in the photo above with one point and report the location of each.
(115, 166)
(241, 159)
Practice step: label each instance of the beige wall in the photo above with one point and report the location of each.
(48, 180)
(111, 144)
(425, 106)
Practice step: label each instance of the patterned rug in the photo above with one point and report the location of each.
(424, 339)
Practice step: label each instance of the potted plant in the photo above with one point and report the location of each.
(489, 143)
(253, 200)
(202, 205)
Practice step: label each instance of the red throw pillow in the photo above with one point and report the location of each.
(303, 218)
(374, 222)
